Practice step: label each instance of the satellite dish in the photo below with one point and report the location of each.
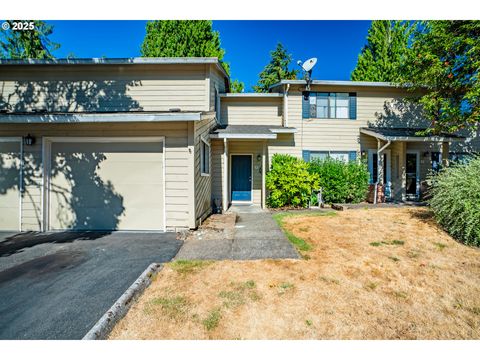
(309, 64)
(307, 67)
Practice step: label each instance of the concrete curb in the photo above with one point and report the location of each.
(104, 326)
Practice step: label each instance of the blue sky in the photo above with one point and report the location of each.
(336, 44)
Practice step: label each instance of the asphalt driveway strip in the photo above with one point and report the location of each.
(57, 287)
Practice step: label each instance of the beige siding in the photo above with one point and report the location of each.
(178, 177)
(374, 107)
(10, 160)
(203, 183)
(217, 169)
(217, 80)
(251, 111)
(104, 88)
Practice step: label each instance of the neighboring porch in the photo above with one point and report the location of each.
(399, 160)
(240, 160)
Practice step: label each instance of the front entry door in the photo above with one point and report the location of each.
(241, 178)
(412, 175)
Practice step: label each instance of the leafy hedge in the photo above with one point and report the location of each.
(289, 182)
(341, 182)
(455, 200)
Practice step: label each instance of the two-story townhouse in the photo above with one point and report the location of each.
(107, 144)
(343, 120)
(156, 143)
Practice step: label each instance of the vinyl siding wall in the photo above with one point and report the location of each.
(105, 88)
(251, 111)
(203, 183)
(178, 163)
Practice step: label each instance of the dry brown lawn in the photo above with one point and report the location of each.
(372, 274)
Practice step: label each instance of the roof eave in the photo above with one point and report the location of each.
(98, 118)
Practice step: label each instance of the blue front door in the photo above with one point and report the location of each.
(241, 178)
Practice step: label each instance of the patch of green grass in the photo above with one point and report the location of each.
(440, 246)
(371, 286)
(329, 280)
(284, 287)
(394, 258)
(232, 298)
(238, 294)
(213, 319)
(413, 254)
(308, 322)
(174, 307)
(393, 242)
(299, 243)
(401, 294)
(189, 266)
(250, 284)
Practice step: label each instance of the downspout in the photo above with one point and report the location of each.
(285, 105)
(379, 159)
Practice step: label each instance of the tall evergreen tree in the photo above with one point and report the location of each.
(277, 69)
(237, 86)
(381, 57)
(27, 44)
(443, 64)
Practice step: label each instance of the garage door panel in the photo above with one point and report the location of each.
(9, 185)
(107, 186)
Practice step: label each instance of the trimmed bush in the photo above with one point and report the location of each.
(289, 182)
(455, 200)
(341, 182)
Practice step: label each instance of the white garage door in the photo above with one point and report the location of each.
(9, 185)
(106, 186)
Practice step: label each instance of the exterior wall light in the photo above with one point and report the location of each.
(29, 140)
(259, 157)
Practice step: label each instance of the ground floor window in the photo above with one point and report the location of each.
(205, 157)
(436, 161)
(344, 156)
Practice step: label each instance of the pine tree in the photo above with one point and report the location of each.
(381, 58)
(277, 69)
(443, 64)
(27, 44)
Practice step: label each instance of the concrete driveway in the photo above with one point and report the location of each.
(56, 286)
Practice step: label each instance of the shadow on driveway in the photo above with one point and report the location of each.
(12, 243)
(58, 287)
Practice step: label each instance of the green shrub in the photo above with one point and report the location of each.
(455, 200)
(289, 182)
(341, 182)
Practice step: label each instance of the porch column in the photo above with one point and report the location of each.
(225, 177)
(379, 162)
(403, 169)
(264, 164)
(445, 153)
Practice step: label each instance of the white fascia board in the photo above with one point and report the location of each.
(243, 136)
(284, 131)
(251, 95)
(424, 139)
(96, 118)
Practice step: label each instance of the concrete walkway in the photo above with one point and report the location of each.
(256, 236)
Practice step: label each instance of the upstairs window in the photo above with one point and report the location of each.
(327, 105)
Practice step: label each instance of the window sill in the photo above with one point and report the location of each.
(204, 174)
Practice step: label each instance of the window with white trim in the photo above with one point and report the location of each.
(334, 155)
(326, 105)
(204, 157)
